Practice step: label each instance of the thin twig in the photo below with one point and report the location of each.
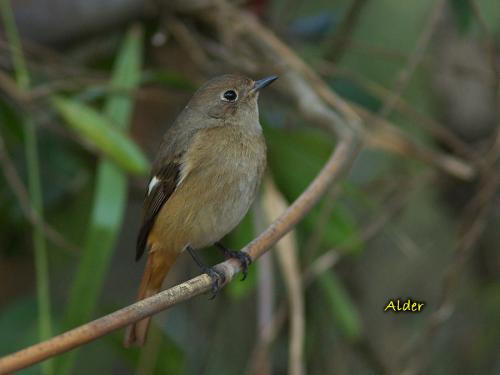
(267, 335)
(495, 68)
(260, 360)
(472, 224)
(375, 51)
(340, 41)
(185, 38)
(415, 58)
(490, 43)
(315, 238)
(435, 128)
(385, 136)
(393, 205)
(472, 227)
(287, 254)
(16, 185)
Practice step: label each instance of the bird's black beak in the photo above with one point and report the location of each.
(261, 83)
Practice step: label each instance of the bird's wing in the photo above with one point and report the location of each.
(166, 174)
(162, 184)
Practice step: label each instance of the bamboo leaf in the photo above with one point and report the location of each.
(110, 194)
(306, 151)
(102, 132)
(34, 183)
(341, 307)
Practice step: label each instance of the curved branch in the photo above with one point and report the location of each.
(341, 158)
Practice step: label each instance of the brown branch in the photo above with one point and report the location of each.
(434, 127)
(267, 335)
(287, 254)
(390, 138)
(392, 204)
(259, 362)
(341, 157)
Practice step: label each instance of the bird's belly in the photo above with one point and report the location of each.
(208, 206)
(223, 172)
(224, 207)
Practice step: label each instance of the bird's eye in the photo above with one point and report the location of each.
(229, 96)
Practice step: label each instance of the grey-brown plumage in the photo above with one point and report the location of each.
(204, 179)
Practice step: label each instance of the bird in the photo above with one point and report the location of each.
(204, 178)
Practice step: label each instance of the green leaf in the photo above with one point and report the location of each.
(34, 183)
(18, 324)
(341, 307)
(168, 78)
(342, 229)
(161, 355)
(110, 195)
(103, 132)
(463, 14)
(306, 151)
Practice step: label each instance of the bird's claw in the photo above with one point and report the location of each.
(244, 259)
(218, 279)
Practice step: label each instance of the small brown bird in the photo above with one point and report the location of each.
(203, 181)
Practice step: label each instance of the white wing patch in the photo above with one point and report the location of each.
(185, 167)
(154, 181)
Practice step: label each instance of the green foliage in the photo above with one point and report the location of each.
(161, 355)
(34, 184)
(341, 306)
(306, 151)
(168, 78)
(39, 244)
(19, 328)
(101, 132)
(111, 184)
(463, 14)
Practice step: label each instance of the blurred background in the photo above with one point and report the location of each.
(87, 88)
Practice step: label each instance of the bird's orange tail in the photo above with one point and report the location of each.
(158, 264)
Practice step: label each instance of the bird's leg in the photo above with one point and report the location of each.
(244, 259)
(216, 276)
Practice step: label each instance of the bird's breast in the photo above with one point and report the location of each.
(220, 175)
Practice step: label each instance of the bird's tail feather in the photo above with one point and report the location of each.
(157, 266)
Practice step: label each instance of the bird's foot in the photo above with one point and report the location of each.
(243, 257)
(218, 279)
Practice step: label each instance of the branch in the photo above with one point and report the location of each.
(287, 254)
(341, 157)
